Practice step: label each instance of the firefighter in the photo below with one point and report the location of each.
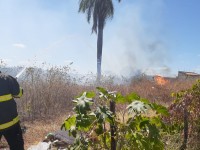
(9, 120)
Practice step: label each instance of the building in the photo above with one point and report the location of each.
(182, 75)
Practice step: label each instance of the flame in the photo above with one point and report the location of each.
(160, 80)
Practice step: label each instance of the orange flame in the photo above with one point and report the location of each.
(160, 80)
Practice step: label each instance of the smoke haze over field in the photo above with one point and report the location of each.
(153, 37)
(137, 45)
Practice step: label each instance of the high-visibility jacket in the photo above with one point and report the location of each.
(9, 89)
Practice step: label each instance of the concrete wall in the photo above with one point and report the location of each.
(188, 75)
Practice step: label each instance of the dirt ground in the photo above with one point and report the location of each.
(36, 132)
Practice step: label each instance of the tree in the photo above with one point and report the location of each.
(100, 11)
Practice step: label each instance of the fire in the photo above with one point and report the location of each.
(160, 80)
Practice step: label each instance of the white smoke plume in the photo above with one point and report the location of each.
(137, 41)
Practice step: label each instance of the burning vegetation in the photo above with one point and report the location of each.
(160, 80)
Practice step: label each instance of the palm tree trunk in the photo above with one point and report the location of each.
(99, 52)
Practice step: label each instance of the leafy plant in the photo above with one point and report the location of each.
(92, 128)
(185, 112)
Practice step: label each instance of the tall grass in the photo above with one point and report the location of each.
(48, 93)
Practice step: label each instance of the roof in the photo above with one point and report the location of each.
(189, 73)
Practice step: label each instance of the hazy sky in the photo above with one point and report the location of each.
(151, 36)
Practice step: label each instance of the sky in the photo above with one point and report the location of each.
(153, 37)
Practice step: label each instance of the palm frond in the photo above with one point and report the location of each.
(95, 17)
(87, 6)
(99, 10)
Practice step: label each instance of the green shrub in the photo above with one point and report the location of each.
(99, 127)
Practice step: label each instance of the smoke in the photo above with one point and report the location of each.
(133, 41)
(137, 44)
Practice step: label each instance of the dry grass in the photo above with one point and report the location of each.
(48, 95)
(47, 92)
(37, 130)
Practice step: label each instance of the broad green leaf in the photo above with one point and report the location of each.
(83, 122)
(103, 113)
(102, 90)
(83, 104)
(144, 122)
(137, 107)
(132, 97)
(159, 109)
(99, 129)
(73, 131)
(146, 101)
(120, 99)
(71, 121)
(103, 94)
(153, 131)
(90, 94)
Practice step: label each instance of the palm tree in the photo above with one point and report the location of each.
(100, 11)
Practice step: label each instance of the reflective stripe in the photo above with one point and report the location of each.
(9, 124)
(20, 93)
(5, 97)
